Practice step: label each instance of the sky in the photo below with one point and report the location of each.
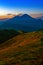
(21, 6)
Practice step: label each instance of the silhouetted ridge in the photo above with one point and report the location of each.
(23, 22)
(26, 16)
(22, 16)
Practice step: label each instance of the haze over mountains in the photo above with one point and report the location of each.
(23, 22)
(40, 18)
(7, 16)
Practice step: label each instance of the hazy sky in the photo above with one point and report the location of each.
(21, 6)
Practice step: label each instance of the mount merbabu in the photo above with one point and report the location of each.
(23, 23)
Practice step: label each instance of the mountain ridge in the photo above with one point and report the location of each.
(23, 22)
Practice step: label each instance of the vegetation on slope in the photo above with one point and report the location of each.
(25, 49)
(7, 34)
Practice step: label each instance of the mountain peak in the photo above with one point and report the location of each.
(26, 16)
(22, 16)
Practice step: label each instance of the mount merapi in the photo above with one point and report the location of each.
(23, 23)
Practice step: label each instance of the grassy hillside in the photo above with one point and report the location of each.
(7, 34)
(24, 49)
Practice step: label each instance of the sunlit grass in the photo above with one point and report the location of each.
(23, 53)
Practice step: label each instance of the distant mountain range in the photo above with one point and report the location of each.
(22, 23)
(40, 18)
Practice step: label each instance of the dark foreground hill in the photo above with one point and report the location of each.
(7, 34)
(24, 49)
